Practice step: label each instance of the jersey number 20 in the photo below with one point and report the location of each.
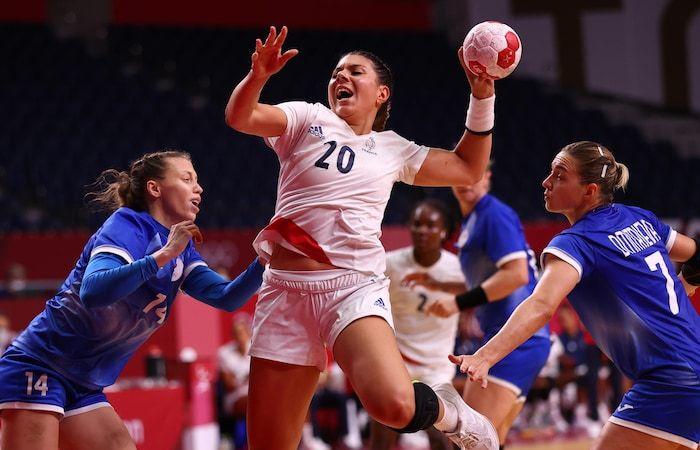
(656, 261)
(343, 163)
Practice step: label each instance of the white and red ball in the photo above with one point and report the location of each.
(493, 49)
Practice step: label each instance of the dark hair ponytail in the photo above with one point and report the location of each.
(120, 188)
(385, 78)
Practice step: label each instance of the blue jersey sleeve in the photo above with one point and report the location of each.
(191, 259)
(124, 234)
(505, 240)
(667, 234)
(573, 250)
(211, 288)
(107, 278)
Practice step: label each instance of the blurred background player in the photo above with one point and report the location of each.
(234, 369)
(121, 290)
(424, 341)
(501, 271)
(615, 266)
(325, 285)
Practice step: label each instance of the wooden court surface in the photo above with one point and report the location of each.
(583, 444)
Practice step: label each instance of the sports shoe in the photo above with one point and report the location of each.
(474, 431)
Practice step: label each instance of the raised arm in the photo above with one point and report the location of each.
(244, 112)
(558, 280)
(467, 162)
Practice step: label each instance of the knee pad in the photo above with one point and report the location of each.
(427, 409)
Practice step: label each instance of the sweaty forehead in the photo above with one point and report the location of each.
(181, 165)
(563, 161)
(354, 60)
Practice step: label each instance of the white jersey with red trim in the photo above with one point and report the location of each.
(423, 340)
(333, 188)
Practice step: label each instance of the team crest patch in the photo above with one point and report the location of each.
(369, 145)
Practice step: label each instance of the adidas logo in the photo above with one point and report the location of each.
(379, 302)
(316, 130)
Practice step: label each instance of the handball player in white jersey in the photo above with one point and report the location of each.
(424, 340)
(325, 285)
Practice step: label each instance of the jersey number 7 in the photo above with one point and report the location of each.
(656, 261)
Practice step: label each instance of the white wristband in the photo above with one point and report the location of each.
(480, 115)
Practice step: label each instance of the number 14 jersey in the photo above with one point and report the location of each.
(333, 188)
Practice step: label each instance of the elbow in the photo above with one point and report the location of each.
(233, 120)
(544, 310)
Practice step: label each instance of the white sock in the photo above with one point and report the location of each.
(449, 418)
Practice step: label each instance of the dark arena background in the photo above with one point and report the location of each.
(93, 84)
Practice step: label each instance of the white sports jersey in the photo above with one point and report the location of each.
(333, 188)
(423, 339)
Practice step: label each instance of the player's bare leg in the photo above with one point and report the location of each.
(495, 402)
(617, 437)
(381, 437)
(504, 427)
(29, 430)
(100, 428)
(279, 396)
(366, 350)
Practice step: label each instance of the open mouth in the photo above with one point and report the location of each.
(343, 93)
(195, 203)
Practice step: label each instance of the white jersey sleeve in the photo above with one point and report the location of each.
(298, 118)
(414, 155)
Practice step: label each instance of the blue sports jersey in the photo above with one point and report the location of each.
(629, 296)
(90, 346)
(491, 236)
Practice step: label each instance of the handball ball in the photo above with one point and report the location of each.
(492, 49)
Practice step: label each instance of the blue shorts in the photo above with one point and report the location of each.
(666, 411)
(27, 383)
(520, 368)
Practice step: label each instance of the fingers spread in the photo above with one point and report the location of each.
(282, 36)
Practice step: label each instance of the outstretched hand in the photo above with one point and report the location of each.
(268, 58)
(481, 85)
(475, 366)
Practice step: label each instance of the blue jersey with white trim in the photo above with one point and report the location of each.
(629, 296)
(90, 346)
(492, 235)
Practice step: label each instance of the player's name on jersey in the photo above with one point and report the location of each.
(635, 238)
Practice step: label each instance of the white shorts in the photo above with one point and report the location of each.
(301, 313)
(431, 375)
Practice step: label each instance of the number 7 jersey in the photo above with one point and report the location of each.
(629, 296)
(333, 188)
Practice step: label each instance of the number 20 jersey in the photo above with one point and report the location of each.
(629, 296)
(333, 188)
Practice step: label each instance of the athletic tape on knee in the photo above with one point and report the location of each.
(427, 409)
